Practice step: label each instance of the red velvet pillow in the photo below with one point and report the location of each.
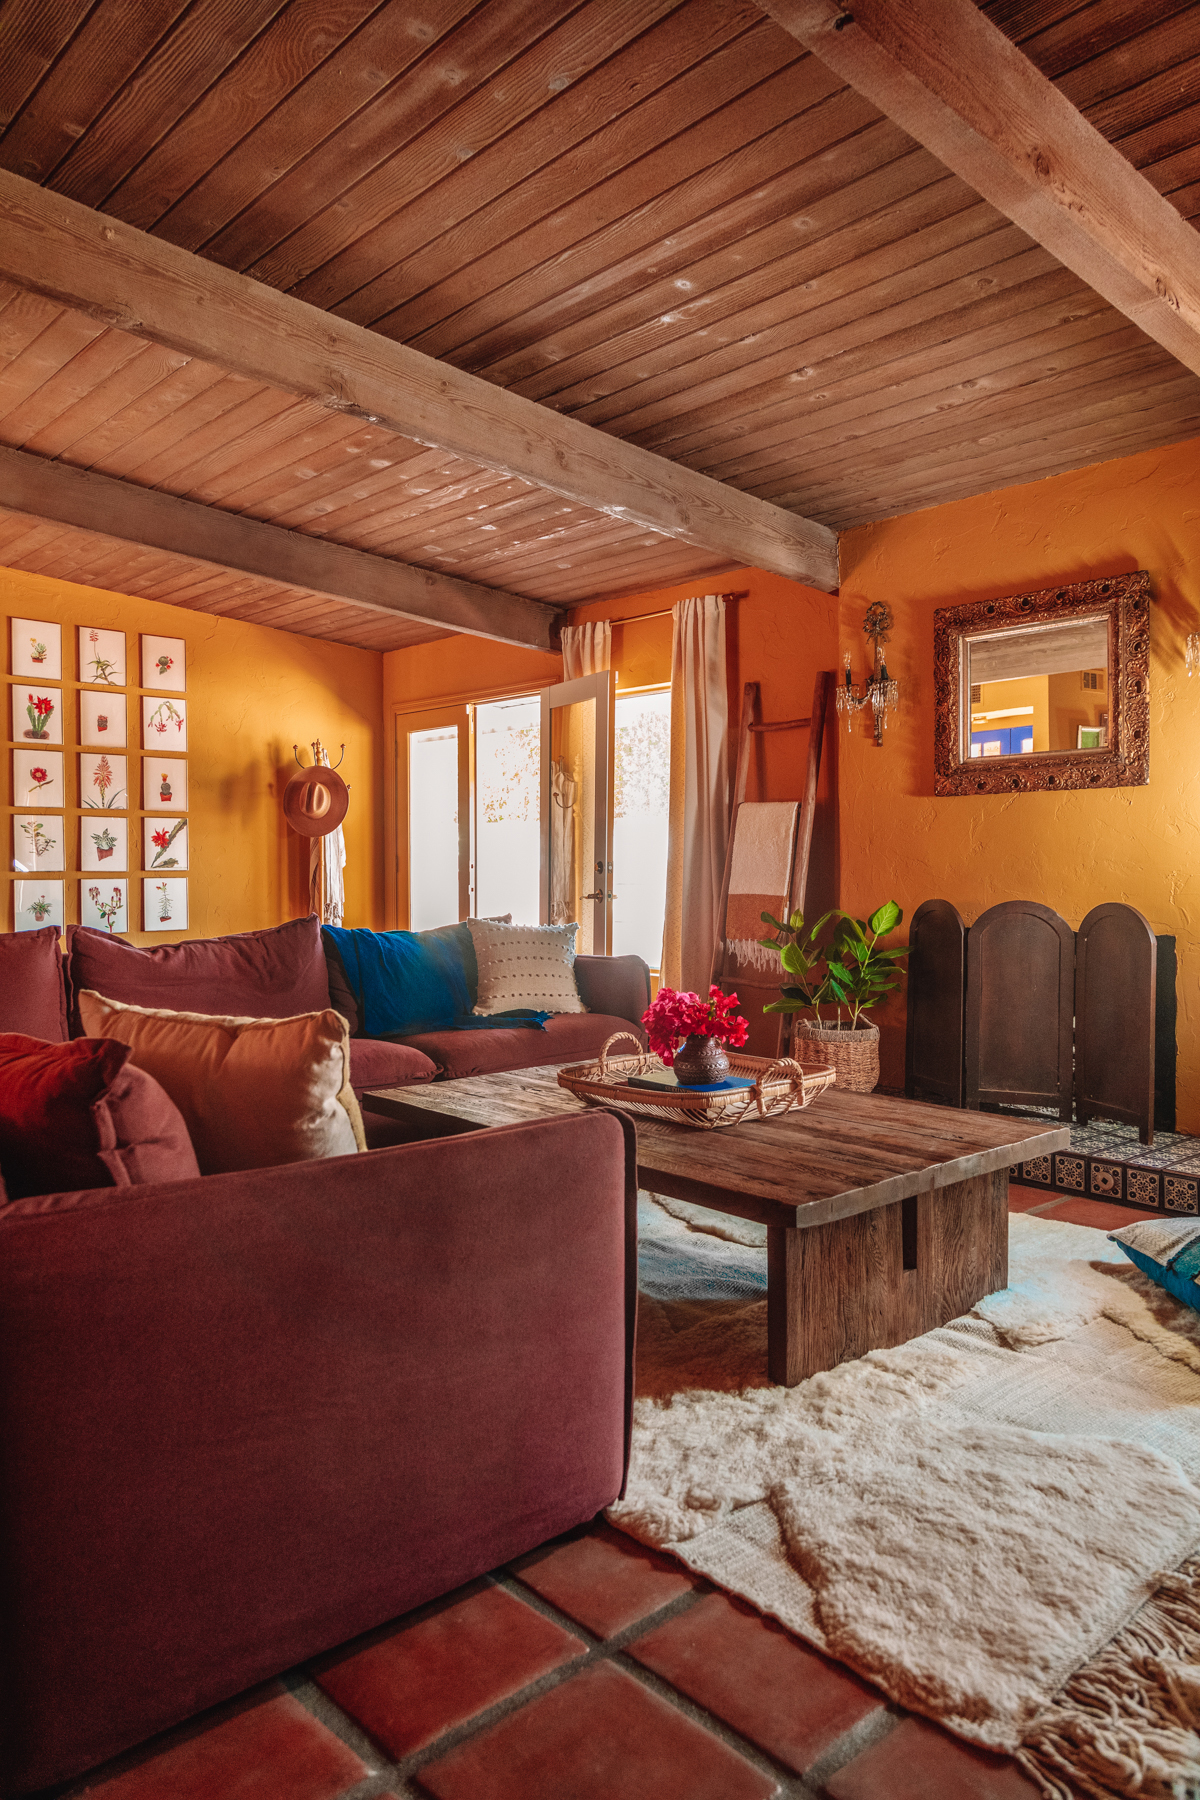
(271, 974)
(80, 1115)
(33, 996)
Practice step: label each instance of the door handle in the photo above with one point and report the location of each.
(598, 894)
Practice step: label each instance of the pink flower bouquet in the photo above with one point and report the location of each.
(673, 1017)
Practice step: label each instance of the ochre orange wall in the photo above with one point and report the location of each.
(780, 635)
(1068, 850)
(252, 693)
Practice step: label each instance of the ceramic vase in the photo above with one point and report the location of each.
(700, 1061)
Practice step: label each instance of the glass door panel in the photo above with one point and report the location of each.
(642, 772)
(576, 740)
(433, 823)
(508, 735)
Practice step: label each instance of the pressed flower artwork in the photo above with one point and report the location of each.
(101, 657)
(104, 845)
(164, 904)
(36, 650)
(166, 844)
(102, 719)
(164, 664)
(102, 782)
(38, 778)
(37, 842)
(104, 904)
(37, 903)
(37, 714)
(164, 784)
(164, 724)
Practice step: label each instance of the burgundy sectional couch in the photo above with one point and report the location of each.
(245, 1417)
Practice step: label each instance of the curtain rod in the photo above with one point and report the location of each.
(666, 611)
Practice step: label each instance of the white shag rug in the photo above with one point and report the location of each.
(988, 1522)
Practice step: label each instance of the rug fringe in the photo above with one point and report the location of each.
(1128, 1722)
(748, 954)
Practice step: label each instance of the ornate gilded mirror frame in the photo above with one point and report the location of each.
(1122, 602)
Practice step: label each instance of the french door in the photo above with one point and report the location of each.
(576, 808)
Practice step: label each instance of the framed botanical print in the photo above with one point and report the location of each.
(37, 903)
(103, 782)
(37, 842)
(104, 903)
(165, 844)
(164, 904)
(38, 778)
(164, 664)
(102, 719)
(164, 723)
(101, 657)
(103, 844)
(164, 784)
(37, 714)
(37, 649)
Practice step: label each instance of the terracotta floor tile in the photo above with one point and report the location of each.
(597, 1736)
(605, 1580)
(271, 1748)
(748, 1671)
(423, 1678)
(1024, 1199)
(919, 1761)
(1100, 1213)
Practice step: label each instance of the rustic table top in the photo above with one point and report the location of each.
(844, 1154)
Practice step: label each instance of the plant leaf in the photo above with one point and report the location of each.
(886, 919)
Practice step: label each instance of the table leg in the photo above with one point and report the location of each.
(881, 1277)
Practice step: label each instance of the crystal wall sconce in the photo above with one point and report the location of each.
(881, 693)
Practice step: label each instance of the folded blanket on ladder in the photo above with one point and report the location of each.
(764, 842)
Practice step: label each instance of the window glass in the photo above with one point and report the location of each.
(642, 773)
(508, 741)
(432, 827)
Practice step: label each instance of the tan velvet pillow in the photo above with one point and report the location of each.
(253, 1092)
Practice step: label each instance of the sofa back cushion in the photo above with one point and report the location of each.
(254, 1092)
(33, 995)
(272, 974)
(82, 1115)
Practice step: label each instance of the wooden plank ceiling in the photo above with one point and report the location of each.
(661, 217)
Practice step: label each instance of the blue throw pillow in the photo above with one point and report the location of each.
(404, 981)
(1168, 1251)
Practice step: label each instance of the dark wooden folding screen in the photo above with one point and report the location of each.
(937, 972)
(1115, 979)
(1020, 1002)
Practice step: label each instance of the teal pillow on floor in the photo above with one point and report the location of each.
(1168, 1251)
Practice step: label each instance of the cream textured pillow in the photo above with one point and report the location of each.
(525, 966)
(253, 1092)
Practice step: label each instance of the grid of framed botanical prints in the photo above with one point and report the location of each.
(126, 848)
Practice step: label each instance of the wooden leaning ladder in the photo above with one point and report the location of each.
(798, 876)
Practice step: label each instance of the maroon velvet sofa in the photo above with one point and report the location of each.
(245, 1417)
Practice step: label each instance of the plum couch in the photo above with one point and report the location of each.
(245, 1417)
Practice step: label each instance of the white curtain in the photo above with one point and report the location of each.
(699, 796)
(587, 649)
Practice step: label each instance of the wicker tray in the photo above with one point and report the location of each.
(778, 1086)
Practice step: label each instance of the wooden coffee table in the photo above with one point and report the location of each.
(884, 1217)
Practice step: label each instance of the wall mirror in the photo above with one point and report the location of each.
(1046, 690)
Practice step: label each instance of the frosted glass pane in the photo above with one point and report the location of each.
(432, 827)
(508, 743)
(642, 770)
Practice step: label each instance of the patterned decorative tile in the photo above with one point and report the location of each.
(605, 1580)
(269, 1747)
(1180, 1193)
(421, 1679)
(751, 1673)
(1068, 1171)
(1037, 1170)
(1142, 1186)
(1104, 1179)
(596, 1736)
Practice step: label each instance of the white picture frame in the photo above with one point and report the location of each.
(164, 664)
(102, 719)
(37, 842)
(104, 845)
(37, 710)
(164, 903)
(101, 657)
(103, 781)
(37, 904)
(104, 903)
(164, 724)
(38, 779)
(164, 784)
(36, 649)
(165, 844)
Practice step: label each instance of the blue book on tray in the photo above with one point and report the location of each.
(665, 1078)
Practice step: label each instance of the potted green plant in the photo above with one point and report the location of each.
(851, 971)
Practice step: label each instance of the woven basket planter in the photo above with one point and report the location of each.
(854, 1054)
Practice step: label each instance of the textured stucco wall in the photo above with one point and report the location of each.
(1070, 851)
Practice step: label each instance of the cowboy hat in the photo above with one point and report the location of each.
(315, 801)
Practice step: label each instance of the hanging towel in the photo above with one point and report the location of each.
(764, 842)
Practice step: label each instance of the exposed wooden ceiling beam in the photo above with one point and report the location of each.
(138, 515)
(960, 87)
(53, 246)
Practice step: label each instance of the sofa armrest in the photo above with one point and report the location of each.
(246, 1417)
(619, 985)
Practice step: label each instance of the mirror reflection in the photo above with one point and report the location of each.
(1043, 687)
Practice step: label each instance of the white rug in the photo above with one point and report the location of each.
(967, 1520)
